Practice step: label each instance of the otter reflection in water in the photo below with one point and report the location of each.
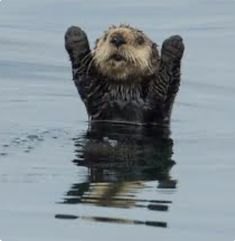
(122, 162)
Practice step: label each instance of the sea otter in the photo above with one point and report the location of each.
(124, 79)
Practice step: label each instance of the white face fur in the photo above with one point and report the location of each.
(123, 52)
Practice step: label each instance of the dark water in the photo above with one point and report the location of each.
(61, 179)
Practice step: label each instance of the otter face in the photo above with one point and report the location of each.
(125, 52)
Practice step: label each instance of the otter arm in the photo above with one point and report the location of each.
(77, 46)
(171, 55)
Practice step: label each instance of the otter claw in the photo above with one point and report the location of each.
(172, 48)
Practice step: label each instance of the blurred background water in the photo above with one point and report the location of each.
(60, 181)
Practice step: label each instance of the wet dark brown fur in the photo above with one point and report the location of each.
(124, 79)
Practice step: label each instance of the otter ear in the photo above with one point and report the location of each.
(154, 46)
(96, 42)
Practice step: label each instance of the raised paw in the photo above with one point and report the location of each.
(172, 49)
(76, 41)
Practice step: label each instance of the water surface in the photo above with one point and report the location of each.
(61, 179)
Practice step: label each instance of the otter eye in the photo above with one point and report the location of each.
(140, 40)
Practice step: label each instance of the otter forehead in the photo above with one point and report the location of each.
(130, 34)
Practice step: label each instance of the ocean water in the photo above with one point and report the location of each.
(61, 181)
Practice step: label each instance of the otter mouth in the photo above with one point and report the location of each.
(117, 57)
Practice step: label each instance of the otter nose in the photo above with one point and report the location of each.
(117, 40)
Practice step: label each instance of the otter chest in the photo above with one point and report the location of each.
(121, 103)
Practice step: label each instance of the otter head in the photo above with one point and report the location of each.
(124, 52)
